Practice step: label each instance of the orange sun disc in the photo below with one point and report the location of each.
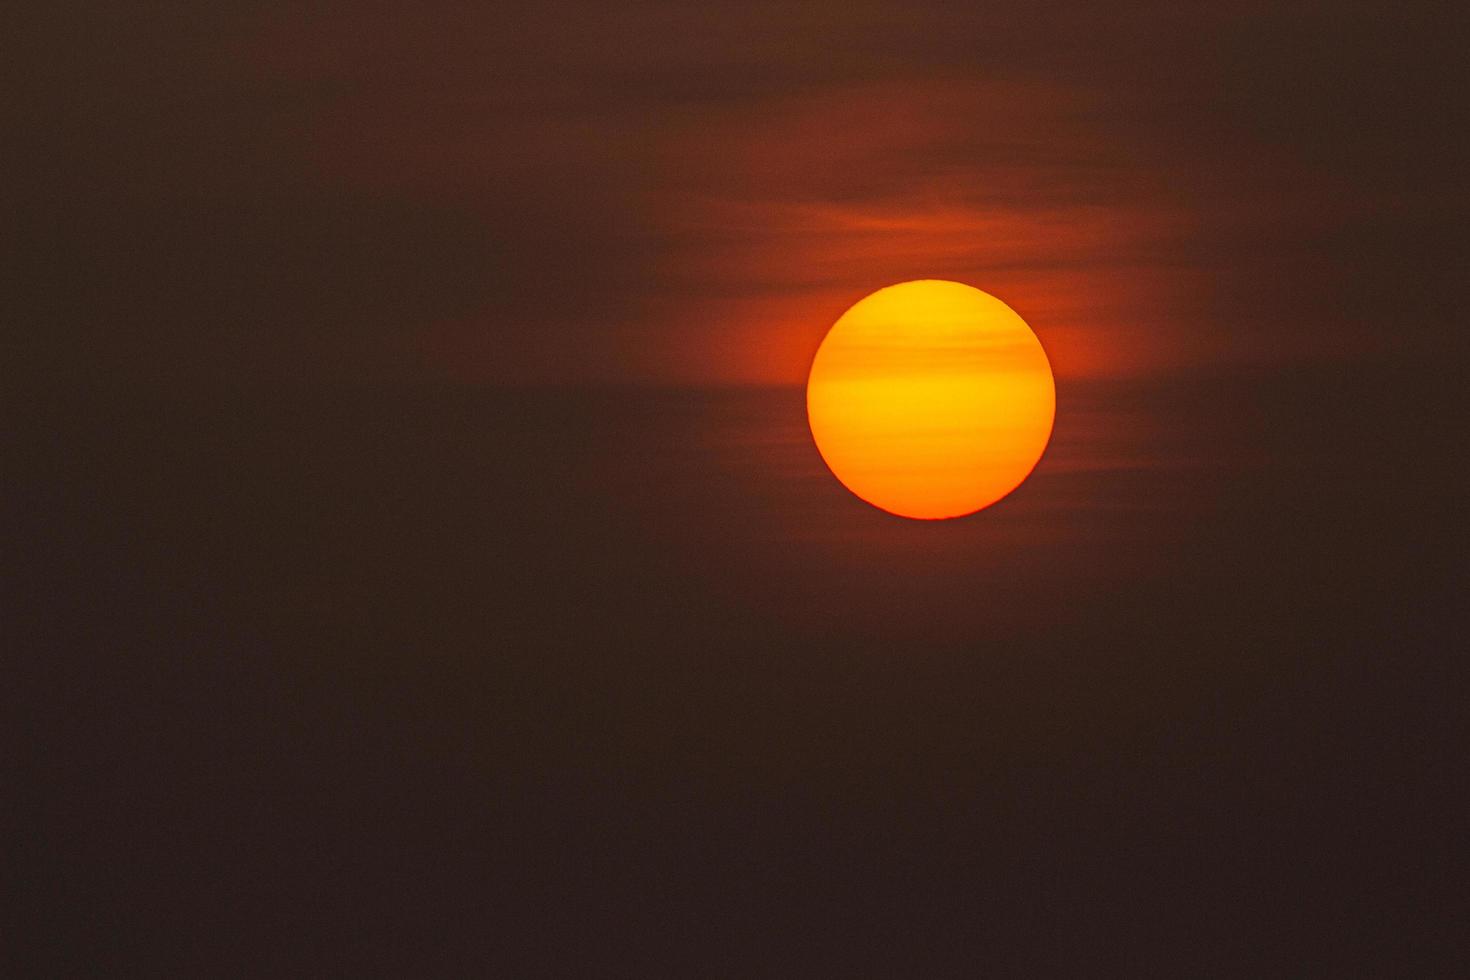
(931, 399)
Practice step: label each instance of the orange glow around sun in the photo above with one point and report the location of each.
(931, 399)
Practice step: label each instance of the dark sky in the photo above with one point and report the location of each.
(397, 580)
(692, 193)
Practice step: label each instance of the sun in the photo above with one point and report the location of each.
(931, 399)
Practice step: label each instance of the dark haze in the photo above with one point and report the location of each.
(418, 564)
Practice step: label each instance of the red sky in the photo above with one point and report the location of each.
(676, 194)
